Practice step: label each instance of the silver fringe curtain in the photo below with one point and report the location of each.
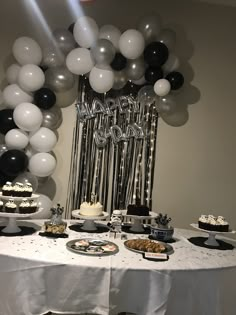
(114, 147)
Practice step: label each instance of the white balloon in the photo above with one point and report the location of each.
(79, 61)
(31, 78)
(16, 139)
(12, 73)
(131, 44)
(42, 164)
(85, 31)
(111, 33)
(43, 140)
(26, 50)
(27, 117)
(171, 64)
(45, 204)
(101, 80)
(13, 95)
(162, 87)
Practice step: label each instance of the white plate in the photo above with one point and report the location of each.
(19, 215)
(71, 246)
(150, 216)
(76, 214)
(195, 226)
(34, 196)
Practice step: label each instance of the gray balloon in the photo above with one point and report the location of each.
(166, 104)
(59, 79)
(53, 57)
(176, 119)
(3, 148)
(135, 69)
(120, 80)
(52, 118)
(103, 52)
(150, 27)
(167, 37)
(64, 40)
(26, 178)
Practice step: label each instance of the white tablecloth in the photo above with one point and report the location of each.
(39, 274)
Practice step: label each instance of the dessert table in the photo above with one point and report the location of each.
(39, 274)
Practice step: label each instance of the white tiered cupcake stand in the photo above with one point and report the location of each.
(89, 221)
(12, 227)
(211, 241)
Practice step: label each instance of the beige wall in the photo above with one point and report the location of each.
(195, 167)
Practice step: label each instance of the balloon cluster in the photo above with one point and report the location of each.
(30, 117)
(143, 56)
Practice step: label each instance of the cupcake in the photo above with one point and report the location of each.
(10, 206)
(1, 206)
(18, 190)
(7, 189)
(24, 206)
(33, 205)
(28, 190)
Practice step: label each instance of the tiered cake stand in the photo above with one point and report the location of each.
(137, 225)
(89, 222)
(12, 227)
(211, 241)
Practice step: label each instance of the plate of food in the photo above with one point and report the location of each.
(92, 247)
(151, 246)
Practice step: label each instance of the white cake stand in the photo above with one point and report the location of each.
(89, 224)
(137, 225)
(211, 241)
(12, 226)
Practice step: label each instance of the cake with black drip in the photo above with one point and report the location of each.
(139, 210)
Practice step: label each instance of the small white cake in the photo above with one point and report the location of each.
(91, 209)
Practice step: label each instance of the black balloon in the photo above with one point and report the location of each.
(156, 54)
(153, 74)
(71, 28)
(119, 62)
(176, 80)
(44, 98)
(13, 162)
(4, 178)
(6, 121)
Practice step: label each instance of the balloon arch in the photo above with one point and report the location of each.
(44, 80)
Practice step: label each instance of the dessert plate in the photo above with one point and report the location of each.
(92, 247)
(168, 248)
(211, 241)
(34, 196)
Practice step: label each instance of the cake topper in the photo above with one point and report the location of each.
(93, 198)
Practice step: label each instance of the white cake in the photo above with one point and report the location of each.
(91, 210)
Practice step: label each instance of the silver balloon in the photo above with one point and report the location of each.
(64, 40)
(43, 180)
(3, 148)
(103, 52)
(59, 79)
(120, 80)
(150, 27)
(52, 118)
(166, 104)
(53, 57)
(26, 178)
(176, 119)
(167, 37)
(135, 69)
